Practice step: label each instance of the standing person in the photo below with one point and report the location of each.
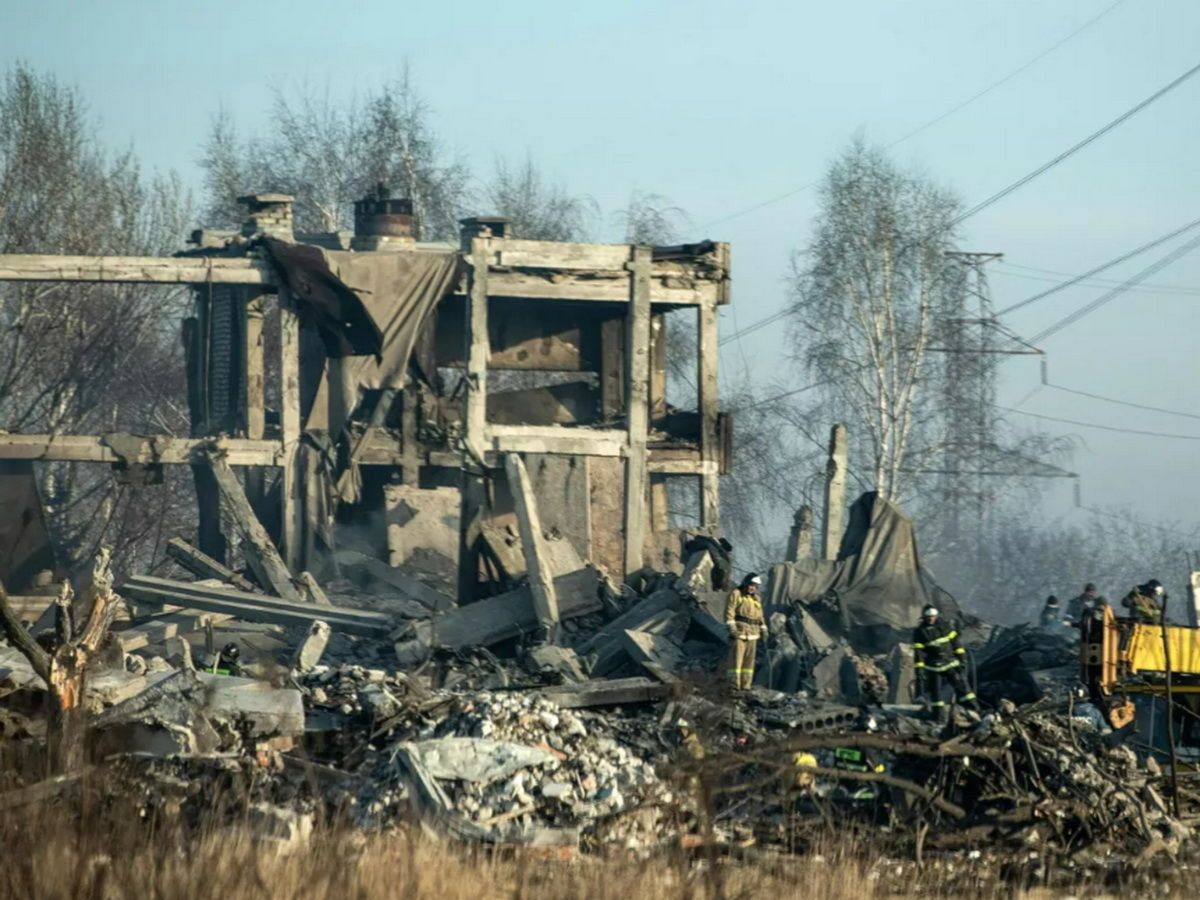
(744, 618)
(938, 657)
(1145, 601)
(1051, 613)
(1077, 606)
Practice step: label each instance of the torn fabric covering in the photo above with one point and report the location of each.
(341, 314)
(398, 291)
(878, 578)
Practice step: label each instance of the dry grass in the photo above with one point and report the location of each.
(111, 846)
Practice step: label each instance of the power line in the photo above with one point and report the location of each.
(1180, 437)
(1025, 179)
(1100, 282)
(1157, 409)
(1146, 288)
(783, 396)
(1111, 295)
(754, 326)
(1010, 76)
(1070, 282)
(931, 122)
(1071, 151)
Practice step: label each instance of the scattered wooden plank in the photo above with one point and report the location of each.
(509, 615)
(537, 564)
(263, 558)
(615, 692)
(164, 626)
(205, 566)
(253, 607)
(316, 593)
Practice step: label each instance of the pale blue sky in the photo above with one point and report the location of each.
(720, 106)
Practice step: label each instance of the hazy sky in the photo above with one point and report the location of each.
(720, 106)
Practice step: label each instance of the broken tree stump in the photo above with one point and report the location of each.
(262, 556)
(65, 668)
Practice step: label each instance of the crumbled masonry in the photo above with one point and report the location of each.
(622, 735)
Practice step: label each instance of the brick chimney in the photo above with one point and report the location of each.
(268, 214)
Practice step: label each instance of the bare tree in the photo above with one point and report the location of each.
(539, 210)
(75, 357)
(652, 219)
(868, 295)
(329, 153)
(1107, 546)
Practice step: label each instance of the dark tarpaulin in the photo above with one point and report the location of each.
(346, 327)
(370, 308)
(877, 578)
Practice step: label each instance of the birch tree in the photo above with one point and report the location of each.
(868, 294)
(539, 210)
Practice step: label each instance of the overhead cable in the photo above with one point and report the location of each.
(1070, 282)
(1178, 437)
(931, 122)
(1091, 396)
(1089, 308)
(1100, 282)
(1025, 179)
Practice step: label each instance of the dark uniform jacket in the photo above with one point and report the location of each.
(936, 647)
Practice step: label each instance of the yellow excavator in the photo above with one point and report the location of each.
(1120, 658)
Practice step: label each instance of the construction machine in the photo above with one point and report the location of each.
(1121, 658)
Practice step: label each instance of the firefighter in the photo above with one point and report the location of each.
(744, 618)
(939, 657)
(1145, 601)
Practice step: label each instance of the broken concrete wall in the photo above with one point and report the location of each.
(421, 521)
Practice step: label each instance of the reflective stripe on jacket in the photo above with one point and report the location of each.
(744, 613)
(936, 647)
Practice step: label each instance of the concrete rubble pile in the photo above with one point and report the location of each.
(386, 703)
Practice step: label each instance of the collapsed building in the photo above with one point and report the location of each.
(454, 478)
(402, 372)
